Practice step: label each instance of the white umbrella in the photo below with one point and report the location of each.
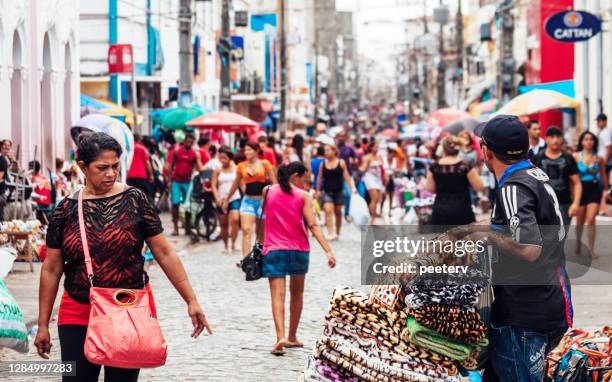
(115, 128)
(537, 101)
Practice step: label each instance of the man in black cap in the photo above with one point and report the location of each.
(562, 171)
(605, 141)
(532, 307)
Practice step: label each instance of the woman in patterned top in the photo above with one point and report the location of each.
(119, 219)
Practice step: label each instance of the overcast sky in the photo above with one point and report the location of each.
(379, 27)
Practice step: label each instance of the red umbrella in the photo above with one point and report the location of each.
(223, 120)
(443, 117)
(389, 133)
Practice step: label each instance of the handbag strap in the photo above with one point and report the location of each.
(263, 210)
(88, 265)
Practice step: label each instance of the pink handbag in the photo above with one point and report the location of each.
(123, 329)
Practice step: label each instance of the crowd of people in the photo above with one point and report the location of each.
(274, 191)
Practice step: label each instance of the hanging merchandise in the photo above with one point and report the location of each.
(423, 328)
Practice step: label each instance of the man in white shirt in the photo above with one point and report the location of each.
(536, 143)
(605, 141)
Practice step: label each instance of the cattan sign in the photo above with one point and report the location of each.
(572, 26)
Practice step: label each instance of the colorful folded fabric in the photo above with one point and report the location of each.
(389, 348)
(463, 289)
(434, 341)
(454, 322)
(368, 367)
(357, 303)
(389, 296)
(321, 371)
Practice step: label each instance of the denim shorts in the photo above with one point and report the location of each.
(283, 263)
(179, 192)
(233, 205)
(336, 198)
(250, 206)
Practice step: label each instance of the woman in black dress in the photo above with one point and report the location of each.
(450, 178)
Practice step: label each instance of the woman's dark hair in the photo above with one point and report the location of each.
(212, 150)
(370, 147)
(579, 147)
(34, 166)
(255, 146)
(286, 171)
(320, 151)
(92, 145)
(227, 151)
(298, 145)
(242, 142)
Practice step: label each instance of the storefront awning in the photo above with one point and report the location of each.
(563, 87)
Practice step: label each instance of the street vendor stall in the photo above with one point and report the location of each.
(26, 238)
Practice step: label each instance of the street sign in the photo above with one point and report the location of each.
(120, 58)
(572, 26)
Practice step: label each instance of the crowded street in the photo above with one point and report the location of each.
(306, 190)
(240, 315)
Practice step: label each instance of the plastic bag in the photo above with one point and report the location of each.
(411, 217)
(7, 257)
(359, 210)
(13, 332)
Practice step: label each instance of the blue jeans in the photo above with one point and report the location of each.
(519, 354)
(347, 198)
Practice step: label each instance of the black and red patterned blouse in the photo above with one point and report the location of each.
(116, 229)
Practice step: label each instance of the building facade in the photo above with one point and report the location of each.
(39, 77)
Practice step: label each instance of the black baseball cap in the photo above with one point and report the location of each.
(601, 117)
(504, 135)
(554, 131)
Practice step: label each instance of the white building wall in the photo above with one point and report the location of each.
(41, 136)
(593, 65)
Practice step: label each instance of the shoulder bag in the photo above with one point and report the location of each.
(123, 329)
(252, 264)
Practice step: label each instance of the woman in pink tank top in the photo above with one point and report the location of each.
(288, 209)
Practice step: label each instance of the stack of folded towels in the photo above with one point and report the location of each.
(442, 315)
(362, 341)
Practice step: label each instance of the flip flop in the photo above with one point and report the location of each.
(276, 351)
(297, 344)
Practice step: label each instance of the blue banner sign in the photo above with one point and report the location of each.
(573, 26)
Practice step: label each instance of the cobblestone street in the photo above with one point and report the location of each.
(240, 315)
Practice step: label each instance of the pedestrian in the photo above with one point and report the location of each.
(604, 148)
(315, 163)
(222, 180)
(591, 169)
(287, 250)
(295, 151)
(239, 155)
(468, 151)
(255, 174)
(184, 160)
(390, 167)
(333, 173)
(42, 190)
(266, 151)
(61, 181)
(451, 178)
(562, 172)
(536, 143)
(373, 177)
(532, 306)
(140, 174)
(118, 220)
(204, 148)
(349, 156)
(214, 163)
